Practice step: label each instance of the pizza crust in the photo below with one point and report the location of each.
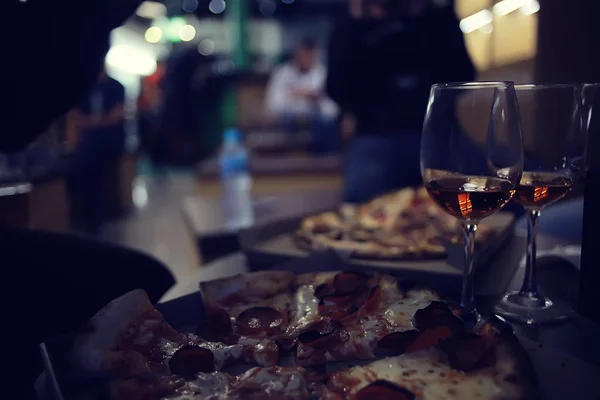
(95, 351)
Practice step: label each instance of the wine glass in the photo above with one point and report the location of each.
(471, 157)
(553, 146)
(590, 99)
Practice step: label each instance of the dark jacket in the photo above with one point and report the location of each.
(55, 59)
(381, 71)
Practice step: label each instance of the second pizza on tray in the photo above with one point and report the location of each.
(404, 225)
(330, 336)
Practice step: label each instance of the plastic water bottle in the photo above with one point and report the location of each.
(236, 181)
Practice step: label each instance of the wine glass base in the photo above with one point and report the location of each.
(532, 309)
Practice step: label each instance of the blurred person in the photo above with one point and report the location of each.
(149, 103)
(296, 97)
(53, 283)
(383, 60)
(99, 140)
(188, 102)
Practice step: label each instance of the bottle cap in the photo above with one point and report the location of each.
(232, 135)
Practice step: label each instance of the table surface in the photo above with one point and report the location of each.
(205, 215)
(280, 165)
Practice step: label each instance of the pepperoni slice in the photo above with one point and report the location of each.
(373, 299)
(344, 296)
(429, 338)
(348, 282)
(322, 332)
(190, 360)
(438, 314)
(348, 306)
(384, 390)
(217, 327)
(257, 320)
(324, 290)
(344, 284)
(395, 343)
(468, 352)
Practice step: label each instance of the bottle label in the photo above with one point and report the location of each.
(234, 165)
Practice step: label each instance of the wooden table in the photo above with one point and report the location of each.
(41, 204)
(205, 217)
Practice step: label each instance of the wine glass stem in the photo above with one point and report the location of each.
(529, 288)
(468, 294)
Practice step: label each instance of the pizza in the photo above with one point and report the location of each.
(280, 335)
(404, 225)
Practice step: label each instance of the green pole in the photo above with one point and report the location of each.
(237, 16)
(238, 19)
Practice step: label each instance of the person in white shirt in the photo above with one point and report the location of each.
(296, 98)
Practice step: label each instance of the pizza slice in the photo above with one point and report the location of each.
(466, 366)
(382, 212)
(349, 315)
(326, 222)
(129, 338)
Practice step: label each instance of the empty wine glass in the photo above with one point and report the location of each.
(471, 157)
(554, 147)
(590, 100)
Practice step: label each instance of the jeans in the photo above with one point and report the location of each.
(323, 131)
(377, 164)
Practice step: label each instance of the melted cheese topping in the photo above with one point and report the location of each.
(400, 310)
(275, 382)
(427, 374)
(306, 309)
(205, 386)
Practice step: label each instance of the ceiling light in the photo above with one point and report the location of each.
(151, 10)
(505, 7)
(153, 34)
(131, 60)
(217, 6)
(206, 47)
(267, 7)
(488, 28)
(187, 33)
(530, 8)
(189, 6)
(476, 21)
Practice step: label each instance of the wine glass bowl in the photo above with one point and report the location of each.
(471, 157)
(590, 100)
(553, 142)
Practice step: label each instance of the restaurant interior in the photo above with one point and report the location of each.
(193, 82)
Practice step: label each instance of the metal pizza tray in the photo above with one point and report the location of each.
(275, 244)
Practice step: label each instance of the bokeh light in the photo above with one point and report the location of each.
(153, 34)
